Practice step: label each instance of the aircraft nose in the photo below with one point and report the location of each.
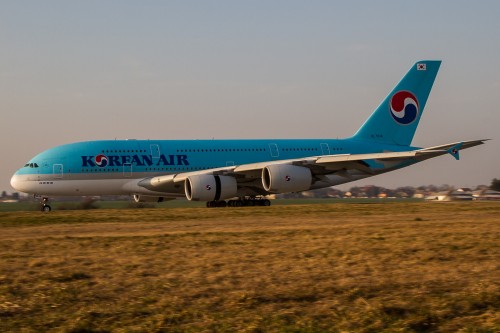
(16, 182)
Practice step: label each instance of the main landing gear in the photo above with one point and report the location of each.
(241, 202)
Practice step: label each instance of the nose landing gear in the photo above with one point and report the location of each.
(44, 205)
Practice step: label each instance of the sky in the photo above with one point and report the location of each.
(90, 70)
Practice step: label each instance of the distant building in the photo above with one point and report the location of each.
(6, 198)
(486, 194)
(462, 194)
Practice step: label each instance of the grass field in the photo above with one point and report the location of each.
(379, 267)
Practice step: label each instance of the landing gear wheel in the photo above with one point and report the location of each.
(213, 204)
(242, 202)
(44, 204)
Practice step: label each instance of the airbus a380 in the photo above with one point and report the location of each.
(244, 171)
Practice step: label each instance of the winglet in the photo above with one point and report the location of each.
(455, 150)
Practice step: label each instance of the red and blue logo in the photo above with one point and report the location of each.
(101, 160)
(404, 107)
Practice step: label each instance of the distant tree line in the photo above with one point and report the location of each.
(372, 191)
(495, 184)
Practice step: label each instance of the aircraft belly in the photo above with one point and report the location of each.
(79, 187)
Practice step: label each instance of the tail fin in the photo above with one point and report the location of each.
(396, 119)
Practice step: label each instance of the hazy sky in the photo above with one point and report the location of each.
(87, 70)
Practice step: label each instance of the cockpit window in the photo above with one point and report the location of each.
(31, 165)
(36, 165)
(26, 165)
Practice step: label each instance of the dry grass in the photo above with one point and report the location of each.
(314, 268)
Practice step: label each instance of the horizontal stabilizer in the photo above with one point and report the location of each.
(454, 148)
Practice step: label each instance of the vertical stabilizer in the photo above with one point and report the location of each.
(397, 117)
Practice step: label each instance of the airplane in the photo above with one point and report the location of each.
(244, 172)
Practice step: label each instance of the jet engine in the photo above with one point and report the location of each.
(286, 178)
(210, 188)
(147, 198)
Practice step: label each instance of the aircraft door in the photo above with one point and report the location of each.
(127, 170)
(325, 149)
(155, 152)
(58, 171)
(273, 149)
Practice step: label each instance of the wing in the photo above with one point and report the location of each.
(306, 173)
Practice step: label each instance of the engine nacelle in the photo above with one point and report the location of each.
(210, 188)
(286, 178)
(147, 198)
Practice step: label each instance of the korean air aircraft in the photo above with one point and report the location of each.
(241, 171)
